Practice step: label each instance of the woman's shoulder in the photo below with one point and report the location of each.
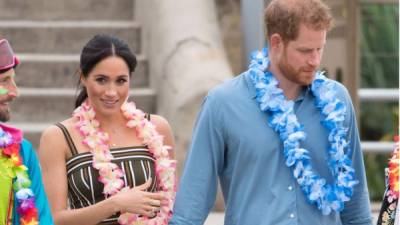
(160, 123)
(158, 119)
(53, 139)
(54, 130)
(164, 129)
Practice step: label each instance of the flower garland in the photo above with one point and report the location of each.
(283, 120)
(11, 158)
(394, 175)
(111, 175)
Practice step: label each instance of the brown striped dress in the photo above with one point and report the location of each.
(84, 188)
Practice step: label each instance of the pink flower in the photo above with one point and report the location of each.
(127, 218)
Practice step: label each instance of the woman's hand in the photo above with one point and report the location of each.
(138, 201)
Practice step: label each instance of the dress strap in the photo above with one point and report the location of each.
(68, 138)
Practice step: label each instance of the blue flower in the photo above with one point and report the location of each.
(296, 154)
(297, 136)
(317, 190)
(298, 169)
(24, 194)
(5, 139)
(337, 133)
(273, 102)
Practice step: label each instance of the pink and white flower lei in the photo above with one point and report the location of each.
(111, 175)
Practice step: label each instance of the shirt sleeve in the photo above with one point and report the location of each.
(357, 211)
(198, 186)
(35, 175)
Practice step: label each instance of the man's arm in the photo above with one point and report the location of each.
(35, 175)
(198, 185)
(357, 211)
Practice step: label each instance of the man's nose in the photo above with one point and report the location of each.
(315, 59)
(12, 89)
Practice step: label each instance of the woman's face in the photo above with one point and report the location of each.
(107, 85)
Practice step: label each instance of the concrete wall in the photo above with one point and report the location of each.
(229, 20)
(186, 58)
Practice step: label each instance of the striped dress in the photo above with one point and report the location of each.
(84, 188)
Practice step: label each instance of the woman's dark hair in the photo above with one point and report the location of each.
(98, 48)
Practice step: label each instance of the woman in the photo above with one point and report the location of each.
(109, 159)
(390, 209)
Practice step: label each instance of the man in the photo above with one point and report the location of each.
(281, 138)
(22, 196)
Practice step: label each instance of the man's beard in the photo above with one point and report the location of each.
(295, 76)
(5, 115)
(5, 112)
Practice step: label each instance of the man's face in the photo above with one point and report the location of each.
(300, 58)
(8, 92)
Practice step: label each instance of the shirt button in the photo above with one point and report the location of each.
(290, 188)
(291, 215)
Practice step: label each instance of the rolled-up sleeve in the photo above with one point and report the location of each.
(198, 185)
(357, 211)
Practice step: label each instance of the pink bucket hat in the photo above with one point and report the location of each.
(7, 57)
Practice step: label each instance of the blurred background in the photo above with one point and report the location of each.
(185, 47)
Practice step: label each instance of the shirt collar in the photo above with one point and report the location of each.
(252, 90)
(303, 92)
(15, 132)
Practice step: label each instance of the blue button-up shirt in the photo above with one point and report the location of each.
(233, 142)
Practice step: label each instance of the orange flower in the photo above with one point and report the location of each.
(394, 172)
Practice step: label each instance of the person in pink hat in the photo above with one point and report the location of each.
(22, 196)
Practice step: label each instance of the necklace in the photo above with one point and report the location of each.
(10, 158)
(327, 197)
(111, 175)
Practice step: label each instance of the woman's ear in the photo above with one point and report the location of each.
(82, 78)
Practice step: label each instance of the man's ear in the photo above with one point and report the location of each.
(275, 41)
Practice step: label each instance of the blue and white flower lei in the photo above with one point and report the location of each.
(284, 121)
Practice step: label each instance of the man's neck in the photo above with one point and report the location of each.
(290, 89)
